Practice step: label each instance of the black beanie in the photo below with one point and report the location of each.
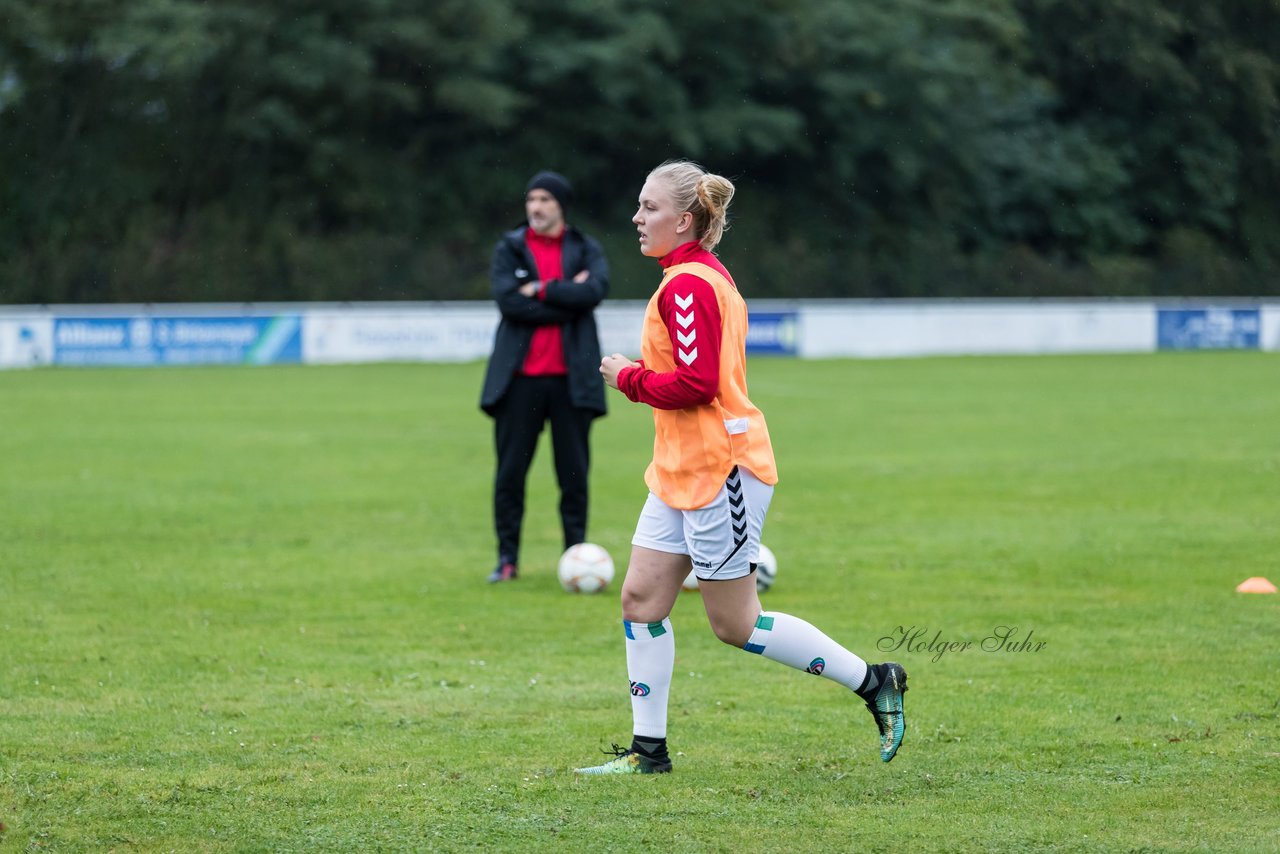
(555, 184)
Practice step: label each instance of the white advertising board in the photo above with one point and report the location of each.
(620, 325)
(443, 332)
(410, 334)
(26, 341)
(877, 329)
(1270, 328)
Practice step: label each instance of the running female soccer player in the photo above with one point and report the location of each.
(711, 478)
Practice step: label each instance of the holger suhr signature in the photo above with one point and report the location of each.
(917, 639)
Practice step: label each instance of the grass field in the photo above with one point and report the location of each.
(244, 610)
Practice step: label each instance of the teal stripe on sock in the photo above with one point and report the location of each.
(764, 623)
(657, 630)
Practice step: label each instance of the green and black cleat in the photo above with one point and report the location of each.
(886, 708)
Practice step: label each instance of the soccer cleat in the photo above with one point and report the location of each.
(627, 762)
(504, 571)
(887, 709)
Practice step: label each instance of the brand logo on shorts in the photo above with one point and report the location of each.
(816, 667)
(639, 689)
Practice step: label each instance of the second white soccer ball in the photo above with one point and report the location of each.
(766, 569)
(585, 568)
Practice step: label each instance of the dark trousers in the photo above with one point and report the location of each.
(530, 402)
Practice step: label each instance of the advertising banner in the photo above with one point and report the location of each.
(149, 340)
(773, 332)
(1209, 328)
(25, 342)
(445, 334)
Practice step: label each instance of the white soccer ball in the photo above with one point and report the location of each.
(585, 568)
(766, 569)
(766, 572)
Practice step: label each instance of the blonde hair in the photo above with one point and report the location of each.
(697, 191)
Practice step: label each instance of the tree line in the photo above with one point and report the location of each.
(215, 150)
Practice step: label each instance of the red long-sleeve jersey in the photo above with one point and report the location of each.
(689, 311)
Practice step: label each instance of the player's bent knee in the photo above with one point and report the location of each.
(732, 633)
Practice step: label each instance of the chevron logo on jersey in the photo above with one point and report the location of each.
(685, 304)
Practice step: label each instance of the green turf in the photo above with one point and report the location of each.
(244, 610)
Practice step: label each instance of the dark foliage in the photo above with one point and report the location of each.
(226, 150)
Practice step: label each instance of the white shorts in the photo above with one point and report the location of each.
(722, 539)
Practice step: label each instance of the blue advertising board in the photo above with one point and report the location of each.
(1208, 328)
(140, 340)
(774, 332)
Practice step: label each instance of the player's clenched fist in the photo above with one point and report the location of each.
(611, 366)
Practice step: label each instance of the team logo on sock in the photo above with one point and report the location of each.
(816, 667)
(639, 689)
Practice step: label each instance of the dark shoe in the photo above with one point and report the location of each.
(627, 762)
(504, 571)
(887, 710)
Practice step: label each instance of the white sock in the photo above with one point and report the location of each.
(792, 641)
(651, 656)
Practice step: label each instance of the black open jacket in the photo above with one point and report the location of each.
(566, 302)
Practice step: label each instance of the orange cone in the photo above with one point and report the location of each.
(1257, 584)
